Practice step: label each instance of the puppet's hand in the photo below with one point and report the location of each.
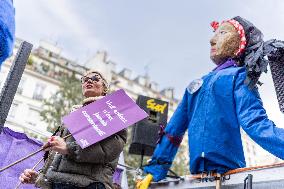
(144, 184)
(57, 144)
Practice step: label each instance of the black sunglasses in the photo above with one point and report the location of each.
(93, 78)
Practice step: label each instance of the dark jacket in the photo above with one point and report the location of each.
(82, 167)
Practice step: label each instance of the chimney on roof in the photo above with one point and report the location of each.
(168, 92)
(52, 49)
(126, 73)
(153, 85)
(141, 80)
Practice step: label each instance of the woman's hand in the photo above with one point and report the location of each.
(28, 176)
(144, 184)
(57, 144)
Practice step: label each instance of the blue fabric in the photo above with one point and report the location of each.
(7, 29)
(213, 116)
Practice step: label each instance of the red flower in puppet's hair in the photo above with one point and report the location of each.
(214, 25)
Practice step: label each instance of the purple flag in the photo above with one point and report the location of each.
(14, 146)
(103, 118)
(117, 176)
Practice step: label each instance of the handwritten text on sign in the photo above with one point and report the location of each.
(103, 118)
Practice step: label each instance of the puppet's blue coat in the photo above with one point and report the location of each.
(7, 28)
(213, 115)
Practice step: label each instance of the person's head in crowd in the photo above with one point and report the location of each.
(94, 84)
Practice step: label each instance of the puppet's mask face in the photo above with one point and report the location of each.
(225, 43)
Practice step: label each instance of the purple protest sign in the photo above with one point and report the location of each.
(103, 118)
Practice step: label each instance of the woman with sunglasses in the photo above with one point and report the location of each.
(68, 166)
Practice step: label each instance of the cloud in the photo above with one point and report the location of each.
(60, 22)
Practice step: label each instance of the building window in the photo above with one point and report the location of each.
(34, 116)
(21, 86)
(13, 110)
(253, 149)
(130, 84)
(38, 92)
(248, 148)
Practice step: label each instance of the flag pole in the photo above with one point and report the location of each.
(13, 79)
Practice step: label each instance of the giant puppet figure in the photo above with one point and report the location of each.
(7, 28)
(215, 106)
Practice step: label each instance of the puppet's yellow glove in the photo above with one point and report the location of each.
(144, 184)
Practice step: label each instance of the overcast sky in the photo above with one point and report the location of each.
(170, 37)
